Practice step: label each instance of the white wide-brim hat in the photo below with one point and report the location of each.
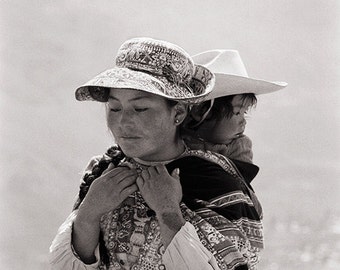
(154, 66)
(231, 77)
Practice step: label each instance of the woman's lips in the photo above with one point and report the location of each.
(129, 137)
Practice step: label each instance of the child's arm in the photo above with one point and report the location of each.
(240, 149)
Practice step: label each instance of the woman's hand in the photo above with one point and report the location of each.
(109, 190)
(163, 193)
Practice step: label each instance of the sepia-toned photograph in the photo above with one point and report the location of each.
(170, 135)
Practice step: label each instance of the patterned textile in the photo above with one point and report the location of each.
(156, 57)
(226, 201)
(216, 200)
(154, 66)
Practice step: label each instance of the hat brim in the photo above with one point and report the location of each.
(125, 78)
(227, 84)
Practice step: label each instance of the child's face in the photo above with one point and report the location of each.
(226, 129)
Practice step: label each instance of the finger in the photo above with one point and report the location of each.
(175, 173)
(127, 181)
(111, 169)
(129, 190)
(160, 169)
(127, 164)
(140, 182)
(119, 173)
(152, 172)
(121, 178)
(145, 174)
(155, 171)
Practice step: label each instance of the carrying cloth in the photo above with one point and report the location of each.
(217, 200)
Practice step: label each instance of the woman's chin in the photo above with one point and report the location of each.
(131, 151)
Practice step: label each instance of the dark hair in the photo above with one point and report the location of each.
(113, 155)
(222, 106)
(171, 102)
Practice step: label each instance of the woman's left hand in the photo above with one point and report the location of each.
(161, 191)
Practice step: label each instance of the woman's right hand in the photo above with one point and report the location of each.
(108, 191)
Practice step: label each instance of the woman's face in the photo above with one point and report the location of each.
(142, 124)
(226, 129)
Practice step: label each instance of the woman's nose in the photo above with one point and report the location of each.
(126, 118)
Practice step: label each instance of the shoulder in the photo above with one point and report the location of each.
(206, 161)
(247, 169)
(197, 166)
(208, 177)
(211, 162)
(206, 168)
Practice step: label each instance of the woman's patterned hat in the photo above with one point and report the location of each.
(154, 66)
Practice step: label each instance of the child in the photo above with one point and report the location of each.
(221, 130)
(218, 123)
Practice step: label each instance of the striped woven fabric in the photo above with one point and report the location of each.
(223, 207)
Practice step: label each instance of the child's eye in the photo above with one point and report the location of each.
(140, 109)
(236, 113)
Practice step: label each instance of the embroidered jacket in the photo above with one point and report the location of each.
(217, 200)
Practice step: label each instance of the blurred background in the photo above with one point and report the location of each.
(48, 48)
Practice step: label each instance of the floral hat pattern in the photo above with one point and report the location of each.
(153, 66)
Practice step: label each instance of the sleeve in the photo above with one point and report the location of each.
(62, 255)
(186, 252)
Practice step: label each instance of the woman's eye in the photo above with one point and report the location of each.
(236, 113)
(140, 109)
(114, 110)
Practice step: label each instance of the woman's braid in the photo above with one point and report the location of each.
(113, 155)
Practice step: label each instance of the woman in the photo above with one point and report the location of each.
(150, 202)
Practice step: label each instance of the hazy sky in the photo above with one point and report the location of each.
(48, 48)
